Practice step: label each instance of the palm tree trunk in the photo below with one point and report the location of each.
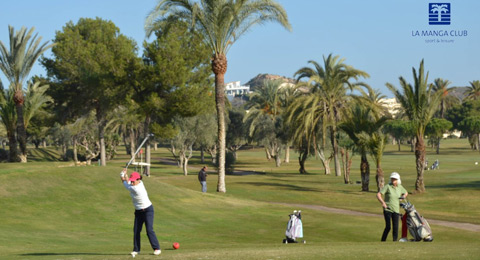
(365, 172)
(21, 132)
(12, 147)
(442, 109)
(333, 139)
(302, 157)
(380, 176)
(220, 103)
(345, 161)
(420, 162)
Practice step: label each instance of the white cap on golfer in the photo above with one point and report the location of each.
(396, 176)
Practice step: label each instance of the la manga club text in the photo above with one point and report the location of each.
(451, 33)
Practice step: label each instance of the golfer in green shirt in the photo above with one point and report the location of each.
(391, 204)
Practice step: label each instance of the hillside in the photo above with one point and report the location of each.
(258, 80)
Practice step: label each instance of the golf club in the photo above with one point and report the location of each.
(139, 147)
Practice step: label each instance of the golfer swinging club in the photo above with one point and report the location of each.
(143, 211)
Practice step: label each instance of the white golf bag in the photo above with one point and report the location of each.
(417, 225)
(294, 228)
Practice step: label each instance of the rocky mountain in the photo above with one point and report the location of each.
(459, 92)
(258, 80)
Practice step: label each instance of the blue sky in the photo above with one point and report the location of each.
(372, 35)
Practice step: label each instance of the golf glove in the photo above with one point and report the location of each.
(122, 175)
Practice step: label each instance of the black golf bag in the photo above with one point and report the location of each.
(417, 225)
(294, 228)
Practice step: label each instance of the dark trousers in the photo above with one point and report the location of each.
(393, 218)
(144, 216)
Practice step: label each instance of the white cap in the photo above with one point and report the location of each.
(396, 176)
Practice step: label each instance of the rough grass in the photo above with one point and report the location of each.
(53, 211)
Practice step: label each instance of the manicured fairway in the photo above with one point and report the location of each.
(51, 210)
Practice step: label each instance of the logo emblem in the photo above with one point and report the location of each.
(439, 13)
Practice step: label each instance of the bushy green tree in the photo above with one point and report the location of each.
(174, 78)
(458, 113)
(435, 130)
(88, 69)
(471, 125)
(400, 130)
(236, 131)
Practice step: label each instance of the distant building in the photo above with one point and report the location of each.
(392, 106)
(234, 88)
(454, 133)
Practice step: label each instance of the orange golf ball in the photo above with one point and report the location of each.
(176, 245)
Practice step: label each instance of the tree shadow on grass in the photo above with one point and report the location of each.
(43, 155)
(475, 185)
(281, 186)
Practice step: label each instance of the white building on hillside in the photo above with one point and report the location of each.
(234, 88)
(392, 106)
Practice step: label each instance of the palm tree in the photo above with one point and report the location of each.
(363, 123)
(420, 102)
(374, 100)
(306, 118)
(35, 99)
(331, 83)
(442, 86)
(265, 108)
(375, 142)
(356, 120)
(221, 23)
(287, 94)
(473, 91)
(16, 63)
